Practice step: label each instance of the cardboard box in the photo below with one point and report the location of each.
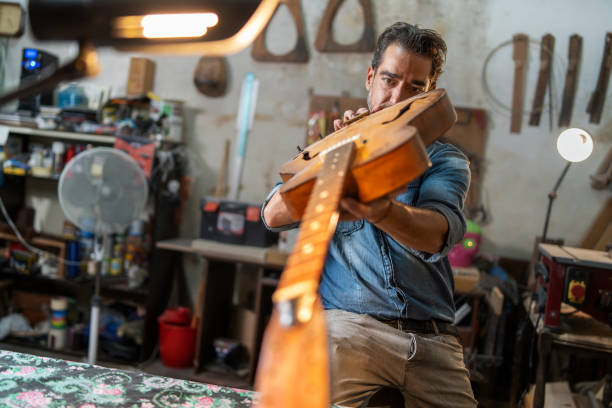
(140, 78)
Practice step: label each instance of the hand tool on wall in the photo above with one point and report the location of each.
(571, 79)
(325, 41)
(547, 51)
(244, 123)
(519, 55)
(259, 52)
(598, 97)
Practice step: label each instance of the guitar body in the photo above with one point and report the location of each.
(383, 139)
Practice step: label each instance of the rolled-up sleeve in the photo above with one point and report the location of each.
(261, 213)
(443, 188)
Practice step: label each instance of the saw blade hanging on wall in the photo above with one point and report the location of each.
(571, 79)
(547, 51)
(519, 55)
(598, 97)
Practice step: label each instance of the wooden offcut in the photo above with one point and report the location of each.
(546, 61)
(596, 104)
(571, 80)
(519, 55)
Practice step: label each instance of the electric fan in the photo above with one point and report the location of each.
(101, 190)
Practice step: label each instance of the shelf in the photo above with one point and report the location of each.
(56, 134)
(140, 296)
(53, 177)
(78, 288)
(43, 284)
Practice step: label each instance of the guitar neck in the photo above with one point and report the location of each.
(304, 266)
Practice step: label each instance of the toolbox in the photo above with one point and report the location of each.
(234, 222)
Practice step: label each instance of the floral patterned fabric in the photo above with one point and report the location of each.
(32, 381)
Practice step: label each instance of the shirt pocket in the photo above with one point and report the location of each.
(349, 227)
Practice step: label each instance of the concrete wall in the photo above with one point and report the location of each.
(520, 168)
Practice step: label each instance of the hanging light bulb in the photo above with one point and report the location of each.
(574, 145)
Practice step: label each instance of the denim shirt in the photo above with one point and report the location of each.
(369, 272)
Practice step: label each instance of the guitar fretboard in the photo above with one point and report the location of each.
(305, 264)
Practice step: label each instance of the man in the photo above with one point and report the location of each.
(387, 285)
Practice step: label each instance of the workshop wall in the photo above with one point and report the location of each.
(520, 168)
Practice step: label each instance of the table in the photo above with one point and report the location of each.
(579, 334)
(32, 381)
(215, 297)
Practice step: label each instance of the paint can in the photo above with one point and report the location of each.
(57, 332)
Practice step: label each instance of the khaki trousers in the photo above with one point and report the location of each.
(366, 354)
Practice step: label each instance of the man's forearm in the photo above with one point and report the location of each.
(421, 229)
(276, 213)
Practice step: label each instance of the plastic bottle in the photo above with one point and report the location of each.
(116, 265)
(86, 247)
(58, 150)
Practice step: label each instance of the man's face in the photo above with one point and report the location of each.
(400, 75)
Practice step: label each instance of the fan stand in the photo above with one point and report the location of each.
(100, 248)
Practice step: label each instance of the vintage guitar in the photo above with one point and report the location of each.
(367, 159)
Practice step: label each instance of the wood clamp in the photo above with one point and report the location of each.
(571, 80)
(259, 52)
(598, 97)
(325, 42)
(519, 55)
(546, 61)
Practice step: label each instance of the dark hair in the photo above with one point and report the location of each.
(421, 41)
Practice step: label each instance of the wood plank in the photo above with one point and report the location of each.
(466, 279)
(555, 252)
(598, 226)
(590, 257)
(495, 300)
(268, 257)
(571, 80)
(606, 238)
(521, 42)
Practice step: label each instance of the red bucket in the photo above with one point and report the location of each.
(176, 341)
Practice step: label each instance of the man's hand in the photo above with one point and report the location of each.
(374, 211)
(348, 115)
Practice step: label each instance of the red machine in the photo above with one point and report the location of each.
(576, 276)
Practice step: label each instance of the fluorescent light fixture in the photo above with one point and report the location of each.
(184, 25)
(177, 27)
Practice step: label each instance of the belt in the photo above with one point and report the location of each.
(423, 326)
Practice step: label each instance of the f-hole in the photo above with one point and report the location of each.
(400, 113)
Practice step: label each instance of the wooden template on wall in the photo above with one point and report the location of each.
(259, 52)
(325, 41)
